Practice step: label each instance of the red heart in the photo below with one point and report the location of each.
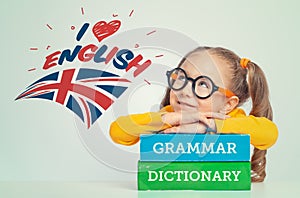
(102, 29)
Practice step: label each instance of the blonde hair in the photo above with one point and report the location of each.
(256, 88)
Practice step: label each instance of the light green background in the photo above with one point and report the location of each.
(38, 139)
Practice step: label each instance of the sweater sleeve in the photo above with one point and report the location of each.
(263, 132)
(126, 129)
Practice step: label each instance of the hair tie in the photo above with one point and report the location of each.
(244, 62)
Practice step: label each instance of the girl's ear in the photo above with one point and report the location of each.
(230, 104)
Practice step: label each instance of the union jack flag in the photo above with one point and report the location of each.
(86, 92)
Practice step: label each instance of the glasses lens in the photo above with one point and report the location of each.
(177, 79)
(203, 87)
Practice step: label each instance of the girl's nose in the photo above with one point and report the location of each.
(187, 90)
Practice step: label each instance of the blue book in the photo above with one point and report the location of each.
(194, 147)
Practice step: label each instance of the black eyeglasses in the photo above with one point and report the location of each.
(203, 87)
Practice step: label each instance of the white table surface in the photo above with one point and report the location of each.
(46, 189)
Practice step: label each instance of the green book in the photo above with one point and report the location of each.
(194, 175)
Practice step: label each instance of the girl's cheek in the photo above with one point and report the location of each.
(216, 103)
(211, 104)
(204, 105)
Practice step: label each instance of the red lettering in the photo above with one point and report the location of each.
(111, 54)
(50, 60)
(83, 56)
(135, 63)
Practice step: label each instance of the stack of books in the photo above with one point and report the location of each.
(194, 162)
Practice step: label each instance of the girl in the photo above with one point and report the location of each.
(196, 103)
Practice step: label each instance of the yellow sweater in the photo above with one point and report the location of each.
(263, 132)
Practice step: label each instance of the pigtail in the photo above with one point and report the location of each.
(261, 107)
(259, 92)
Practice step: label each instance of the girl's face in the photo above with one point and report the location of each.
(197, 64)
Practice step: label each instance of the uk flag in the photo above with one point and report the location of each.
(86, 92)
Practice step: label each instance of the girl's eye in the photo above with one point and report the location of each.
(181, 77)
(203, 84)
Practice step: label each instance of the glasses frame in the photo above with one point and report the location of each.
(215, 88)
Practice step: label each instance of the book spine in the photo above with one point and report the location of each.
(194, 147)
(194, 175)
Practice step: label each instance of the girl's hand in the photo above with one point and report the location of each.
(187, 128)
(187, 117)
